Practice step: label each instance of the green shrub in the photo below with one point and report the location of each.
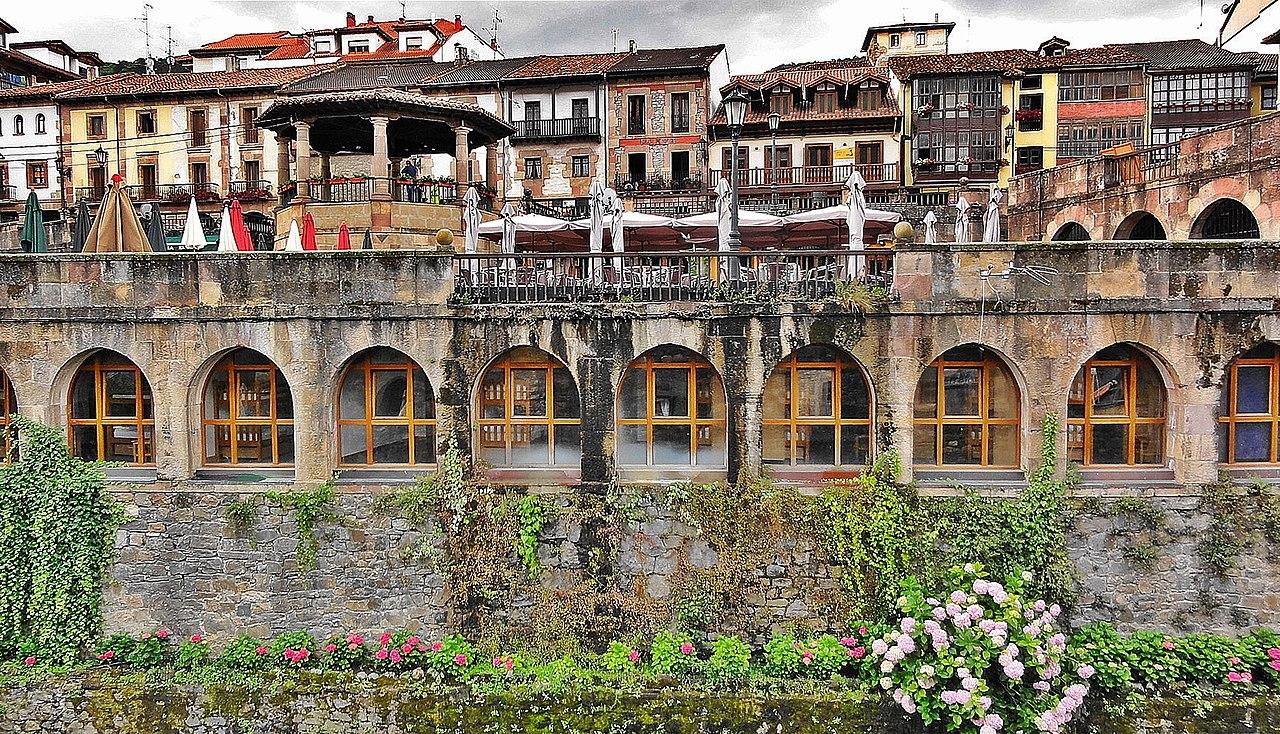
(673, 654)
(345, 652)
(1154, 659)
(1107, 651)
(150, 651)
(620, 658)
(192, 653)
(729, 662)
(247, 653)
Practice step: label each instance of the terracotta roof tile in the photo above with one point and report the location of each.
(568, 65)
(203, 81)
(668, 59)
(1009, 61)
(1187, 54)
(248, 41)
(851, 61)
(45, 91)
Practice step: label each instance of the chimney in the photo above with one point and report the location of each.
(371, 19)
(457, 19)
(351, 20)
(935, 17)
(632, 45)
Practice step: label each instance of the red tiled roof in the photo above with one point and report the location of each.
(1273, 38)
(283, 45)
(141, 85)
(1009, 61)
(42, 91)
(247, 41)
(551, 66)
(807, 77)
(297, 48)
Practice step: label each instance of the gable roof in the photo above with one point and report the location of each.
(478, 72)
(1190, 53)
(668, 59)
(10, 58)
(1264, 65)
(366, 75)
(1273, 38)
(1010, 61)
(144, 85)
(566, 65)
(283, 45)
(45, 91)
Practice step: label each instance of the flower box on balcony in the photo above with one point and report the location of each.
(1029, 114)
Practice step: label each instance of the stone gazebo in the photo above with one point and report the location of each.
(384, 126)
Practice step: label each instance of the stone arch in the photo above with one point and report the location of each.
(384, 410)
(1071, 232)
(1225, 219)
(829, 415)
(527, 411)
(1135, 419)
(1140, 225)
(948, 411)
(661, 416)
(233, 431)
(108, 407)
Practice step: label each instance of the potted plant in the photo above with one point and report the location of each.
(927, 109)
(1029, 114)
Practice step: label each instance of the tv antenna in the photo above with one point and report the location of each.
(615, 40)
(146, 35)
(497, 21)
(169, 48)
(1042, 274)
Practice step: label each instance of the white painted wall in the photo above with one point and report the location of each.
(19, 149)
(561, 96)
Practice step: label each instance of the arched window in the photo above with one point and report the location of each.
(528, 412)
(1250, 409)
(1071, 232)
(1140, 226)
(17, 125)
(9, 405)
(967, 411)
(671, 411)
(40, 124)
(1116, 410)
(386, 412)
(817, 410)
(1225, 219)
(247, 413)
(110, 415)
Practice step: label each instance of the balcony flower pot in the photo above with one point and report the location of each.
(1029, 114)
(927, 110)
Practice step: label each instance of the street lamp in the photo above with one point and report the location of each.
(735, 110)
(100, 156)
(774, 120)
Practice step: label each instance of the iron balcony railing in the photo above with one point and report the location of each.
(8, 193)
(872, 173)
(355, 190)
(810, 275)
(568, 127)
(253, 190)
(181, 193)
(425, 192)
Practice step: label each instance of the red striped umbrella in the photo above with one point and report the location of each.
(344, 237)
(238, 228)
(308, 232)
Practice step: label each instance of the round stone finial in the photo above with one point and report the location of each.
(444, 237)
(904, 232)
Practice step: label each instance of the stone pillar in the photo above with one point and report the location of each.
(304, 161)
(378, 165)
(282, 160)
(491, 165)
(595, 385)
(461, 147)
(326, 167)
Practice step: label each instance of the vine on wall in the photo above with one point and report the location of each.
(311, 508)
(1235, 513)
(57, 541)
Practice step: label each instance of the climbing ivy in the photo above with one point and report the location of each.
(311, 508)
(1234, 513)
(57, 540)
(531, 517)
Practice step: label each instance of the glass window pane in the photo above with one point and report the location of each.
(217, 402)
(390, 392)
(391, 444)
(1148, 444)
(855, 398)
(217, 445)
(632, 448)
(816, 445)
(566, 394)
(493, 447)
(817, 392)
(962, 444)
(253, 444)
(671, 445)
(530, 445)
(1002, 398)
(568, 445)
(1075, 399)
(855, 445)
(424, 444)
(146, 401)
(1110, 444)
(1109, 384)
(960, 391)
(1253, 442)
(923, 445)
(671, 393)
(1150, 397)
(777, 444)
(122, 397)
(710, 394)
(351, 397)
(84, 442)
(711, 445)
(284, 398)
(352, 447)
(926, 404)
(284, 441)
(121, 443)
(631, 396)
(424, 401)
(1075, 443)
(493, 394)
(1002, 445)
(529, 393)
(777, 395)
(254, 397)
(1253, 390)
(148, 445)
(83, 404)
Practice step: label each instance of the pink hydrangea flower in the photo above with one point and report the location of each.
(686, 649)
(1167, 644)
(384, 638)
(29, 661)
(355, 638)
(460, 659)
(437, 646)
(394, 655)
(107, 655)
(634, 656)
(162, 634)
(331, 648)
(406, 648)
(260, 650)
(381, 654)
(196, 638)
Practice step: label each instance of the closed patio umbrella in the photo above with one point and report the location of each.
(991, 218)
(724, 214)
(193, 238)
(857, 220)
(226, 235)
(508, 229)
(155, 230)
(368, 240)
(308, 232)
(34, 237)
(83, 220)
(930, 228)
(293, 243)
(471, 219)
(239, 229)
(617, 226)
(116, 228)
(962, 220)
(344, 237)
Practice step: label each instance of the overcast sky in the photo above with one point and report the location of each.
(758, 33)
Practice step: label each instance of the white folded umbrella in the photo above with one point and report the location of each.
(525, 223)
(746, 218)
(193, 233)
(226, 235)
(294, 242)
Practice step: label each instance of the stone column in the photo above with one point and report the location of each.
(491, 165)
(461, 148)
(326, 167)
(304, 161)
(282, 160)
(381, 160)
(595, 385)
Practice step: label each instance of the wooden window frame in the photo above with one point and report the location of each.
(529, 170)
(573, 166)
(368, 368)
(249, 132)
(508, 364)
(88, 126)
(41, 124)
(202, 141)
(37, 174)
(1130, 419)
(19, 125)
(1272, 416)
(155, 123)
(793, 366)
(983, 419)
(234, 420)
(648, 365)
(97, 368)
(8, 406)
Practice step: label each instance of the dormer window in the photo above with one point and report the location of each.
(895, 40)
(413, 43)
(826, 98)
(870, 95)
(921, 38)
(780, 102)
(358, 47)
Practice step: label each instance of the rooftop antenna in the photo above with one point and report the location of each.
(169, 48)
(497, 21)
(146, 34)
(615, 40)
(402, 10)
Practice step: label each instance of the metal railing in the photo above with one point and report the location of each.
(422, 192)
(672, 204)
(341, 190)
(872, 173)
(179, 193)
(810, 275)
(357, 190)
(255, 190)
(93, 193)
(558, 208)
(566, 127)
(8, 193)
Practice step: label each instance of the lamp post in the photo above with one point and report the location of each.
(774, 120)
(735, 110)
(100, 156)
